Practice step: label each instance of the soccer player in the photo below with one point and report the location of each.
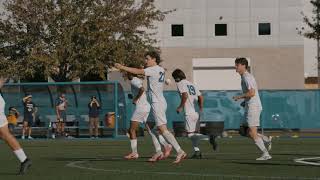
(29, 116)
(140, 115)
(253, 107)
(189, 96)
(155, 79)
(9, 138)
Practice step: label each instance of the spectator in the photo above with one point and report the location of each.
(29, 115)
(12, 118)
(61, 108)
(94, 110)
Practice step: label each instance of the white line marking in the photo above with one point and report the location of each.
(305, 161)
(77, 164)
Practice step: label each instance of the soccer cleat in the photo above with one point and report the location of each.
(25, 166)
(30, 138)
(264, 157)
(269, 143)
(196, 155)
(167, 151)
(182, 155)
(156, 157)
(132, 156)
(53, 136)
(213, 142)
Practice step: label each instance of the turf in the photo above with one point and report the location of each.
(102, 159)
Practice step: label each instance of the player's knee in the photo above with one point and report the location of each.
(132, 131)
(162, 129)
(252, 133)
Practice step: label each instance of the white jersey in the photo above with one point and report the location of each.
(249, 82)
(3, 118)
(155, 77)
(136, 84)
(185, 86)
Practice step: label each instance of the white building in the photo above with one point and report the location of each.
(203, 37)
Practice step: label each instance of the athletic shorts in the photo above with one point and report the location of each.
(28, 118)
(3, 117)
(252, 116)
(11, 126)
(63, 116)
(141, 113)
(94, 119)
(192, 123)
(158, 110)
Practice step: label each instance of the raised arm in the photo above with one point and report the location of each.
(129, 69)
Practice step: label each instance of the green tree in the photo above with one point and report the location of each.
(313, 31)
(68, 39)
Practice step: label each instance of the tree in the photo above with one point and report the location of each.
(314, 30)
(68, 39)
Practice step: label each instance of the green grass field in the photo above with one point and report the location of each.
(102, 159)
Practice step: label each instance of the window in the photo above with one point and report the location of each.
(220, 29)
(264, 29)
(177, 30)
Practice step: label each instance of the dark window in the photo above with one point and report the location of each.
(264, 29)
(177, 29)
(220, 29)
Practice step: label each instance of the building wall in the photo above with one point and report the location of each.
(274, 68)
(277, 59)
(242, 18)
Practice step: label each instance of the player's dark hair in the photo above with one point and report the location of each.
(153, 54)
(242, 61)
(178, 75)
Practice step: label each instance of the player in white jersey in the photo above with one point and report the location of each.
(253, 107)
(9, 138)
(190, 95)
(140, 115)
(156, 78)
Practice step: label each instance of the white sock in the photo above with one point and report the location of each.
(162, 140)
(195, 141)
(155, 142)
(260, 144)
(133, 143)
(172, 140)
(20, 155)
(264, 138)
